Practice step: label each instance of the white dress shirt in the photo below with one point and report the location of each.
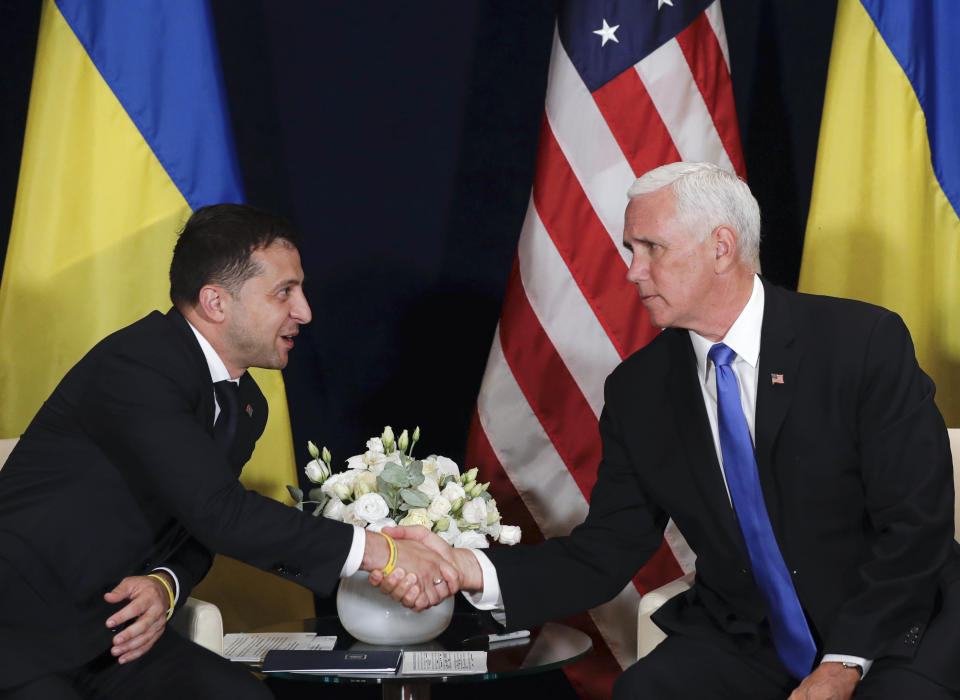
(744, 339)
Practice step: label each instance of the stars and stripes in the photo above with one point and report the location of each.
(650, 86)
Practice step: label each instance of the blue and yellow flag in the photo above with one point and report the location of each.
(883, 224)
(127, 133)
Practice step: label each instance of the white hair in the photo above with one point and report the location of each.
(707, 196)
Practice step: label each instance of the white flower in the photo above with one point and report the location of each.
(493, 515)
(493, 529)
(375, 444)
(387, 438)
(475, 511)
(350, 516)
(378, 525)
(472, 539)
(430, 488)
(317, 471)
(356, 462)
(509, 534)
(370, 460)
(344, 479)
(453, 491)
(366, 483)
(371, 507)
(451, 534)
(417, 516)
(430, 468)
(438, 508)
(334, 509)
(446, 467)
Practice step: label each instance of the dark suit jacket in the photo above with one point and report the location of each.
(117, 474)
(855, 467)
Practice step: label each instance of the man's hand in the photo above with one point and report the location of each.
(405, 588)
(148, 610)
(828, 681)
(429, 577)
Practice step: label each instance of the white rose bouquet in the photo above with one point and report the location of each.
(386, 486)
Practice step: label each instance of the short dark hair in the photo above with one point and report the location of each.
(216, 245)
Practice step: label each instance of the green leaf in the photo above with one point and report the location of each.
(388, 493)
(416, 499)
(415, 472)
(395, 475)
(485, 495)
(295, 493)
(446, 480)
(317, 495)
(299, 506)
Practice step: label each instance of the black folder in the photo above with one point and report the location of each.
(335, 661)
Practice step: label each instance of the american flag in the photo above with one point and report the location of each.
(632, 85)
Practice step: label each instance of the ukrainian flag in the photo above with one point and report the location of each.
(883, 224)
(127, 133)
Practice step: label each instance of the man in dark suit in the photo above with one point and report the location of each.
(795, 442)
(126, 481)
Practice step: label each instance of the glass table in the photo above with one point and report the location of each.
(548, 647)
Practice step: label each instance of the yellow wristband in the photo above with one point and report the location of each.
(166, 585)
(392, 558)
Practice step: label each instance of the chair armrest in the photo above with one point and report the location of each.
(648, 634)
(200, 622)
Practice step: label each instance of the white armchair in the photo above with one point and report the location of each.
(649, 635)
(196, 620)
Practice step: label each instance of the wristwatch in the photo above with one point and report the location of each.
(850, 664)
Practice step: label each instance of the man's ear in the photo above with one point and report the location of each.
(724, 241)
(212, 303)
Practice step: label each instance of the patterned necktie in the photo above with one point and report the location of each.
(225, 428)
(788, 626)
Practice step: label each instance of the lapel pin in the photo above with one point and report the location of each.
(776, 378)
(250, 408)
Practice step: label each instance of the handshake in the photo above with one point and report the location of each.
(427, 569)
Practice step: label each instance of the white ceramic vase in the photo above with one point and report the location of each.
(375, 618)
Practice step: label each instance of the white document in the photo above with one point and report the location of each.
(443, 663)
(251, 647)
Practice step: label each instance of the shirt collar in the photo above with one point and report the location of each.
(743, 337)
(218, 370)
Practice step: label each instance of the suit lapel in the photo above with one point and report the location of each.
(203, 408)
(777, 380)
(693, 427)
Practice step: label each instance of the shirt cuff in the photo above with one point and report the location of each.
(176, 584)
(355, 556)
(490, 597)
(863, 663)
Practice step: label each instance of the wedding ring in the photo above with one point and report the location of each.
(437, 581)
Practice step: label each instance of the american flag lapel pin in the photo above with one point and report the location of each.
(250, 408)
(776, 378)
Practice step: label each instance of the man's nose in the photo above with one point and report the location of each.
(639, 269)
(300, 311)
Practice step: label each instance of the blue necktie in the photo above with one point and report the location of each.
(788, 626)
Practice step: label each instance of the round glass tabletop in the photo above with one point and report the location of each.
(548, 647)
